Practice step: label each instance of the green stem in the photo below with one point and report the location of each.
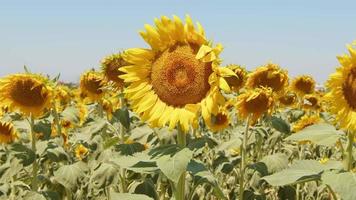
(332, 192)
(34, 164)
(122, 141)
(58, 125)
(180, 188)
(243, 158)
(350, 158)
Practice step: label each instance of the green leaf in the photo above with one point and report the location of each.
(123, 116)
(146, 187)
(23, 153)
(342, 183)
(111, 142)
(280, 125)
(33, 196)
(71, 114)
(174, 167)
(300, 171)
(199, 143)
(93, 127)
(129, 149)
(104, 175)
(166, 149)
(275, 162)
(70, 175)
(139, 162)
(321, 134)
(128, 196)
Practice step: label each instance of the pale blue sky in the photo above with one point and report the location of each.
(70, 36)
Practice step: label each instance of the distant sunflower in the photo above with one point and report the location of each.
(287, 100)
(269, 75)
(110, 67)
(311, 102)
(81, 152)
(63, 97)
(27, 93)
(110, 105)
(255, 103)
(7, 133)
(342, 91)
(238, 81)
(218, 122)
(91, 85)
(306, 121)
(177, 77)
(303, 85)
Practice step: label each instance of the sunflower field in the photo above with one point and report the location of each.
(170, 122)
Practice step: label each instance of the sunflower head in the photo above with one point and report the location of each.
(269, 75)
(81, 151)
(303, 85)
(305, 121)
(288, 99)
(7, 133)
(238, 81)
(110, 105)
(254, 103)
(311, 102)
(110, 66)
(175, 79)
(218, 122)
(63, 96)
(28, 93)
(342, 91)
(91, 85)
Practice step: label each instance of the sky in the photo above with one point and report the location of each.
(68, 37)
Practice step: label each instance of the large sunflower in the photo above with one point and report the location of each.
(342, 91)
(110, 67)
(7, 133)
(269, 75)
(91, 86)
(255, 103)
(30, 94)
(238, 81)
(177, 77)
(303, 85)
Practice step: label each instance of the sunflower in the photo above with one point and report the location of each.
(81, 152)
(63, 97)
(7, 133)
(305, 121)
(288, 99)
(311, 102)
(110, 67)
(238, 81)
(110, 105)
(255, 103)
(303, 85)
(28, 93)
(91, 86)
(220, 121)
(342, 91)
(269, 75)
(175, 79)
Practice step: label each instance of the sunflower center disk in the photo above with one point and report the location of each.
(258, 104)
(349, 88)
(305, 86)
(220, 119)
(26, 93)
(94, 86)
(178, 78)
(271, 80)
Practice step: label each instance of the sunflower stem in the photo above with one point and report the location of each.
(243, 158)
(122, 141)
(58, 125)
(180, 188)
(332, 192)
(34, 164)
(350, 158)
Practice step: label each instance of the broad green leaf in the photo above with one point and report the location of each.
(23, 153)
(33, 196)
(201, 142)
(300, 171)
(174, 167)
(146, 187)
(166, 149)
(139, 162)
(93, 126)
(129, 149)
(70, 175)
(275, 162)
(321, 134)
(71, 114)
(104, 175)
(342, 183)
(123, 116)
(280, 125)
(128, 196)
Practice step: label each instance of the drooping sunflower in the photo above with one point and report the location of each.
(287, 100)
(255, 103)
(110, 105)
(269, 75)
(220, 121)
(305, 121)
(7, 133)
(91, 86)
(342, 91)
(63, 97)
(311, 102)
(28, 93)
(303, 85)
(238, 81)
(110, 66)
(175, 79)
